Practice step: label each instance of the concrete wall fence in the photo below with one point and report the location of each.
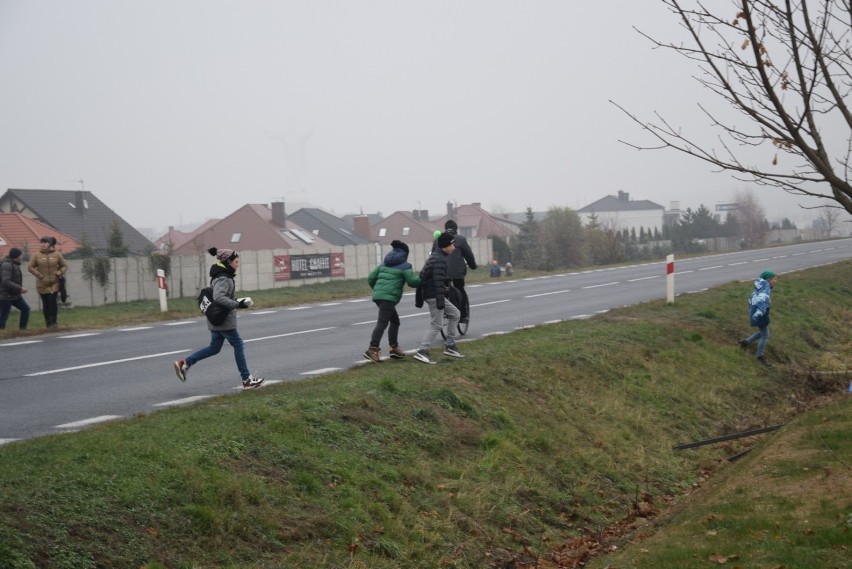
(132, 278)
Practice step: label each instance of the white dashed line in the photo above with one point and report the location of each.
(711, 268)
(322, 371)
(181, 323)
(643, 279)
(71, 336)
(184, 401)
(98, 364)
(9, 345)
(135, 329)
(604, 284)
(87, 422)
(547, 293)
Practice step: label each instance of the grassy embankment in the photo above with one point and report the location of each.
(543, 446)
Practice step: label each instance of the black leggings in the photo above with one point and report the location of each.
(49, 307)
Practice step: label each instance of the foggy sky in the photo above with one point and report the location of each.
(173, 112)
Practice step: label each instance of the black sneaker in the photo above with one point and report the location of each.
(743, 344)
(423, 356)
(763, 361)
(180, 369)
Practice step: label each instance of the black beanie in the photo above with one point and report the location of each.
(397, 244)
(445, 240)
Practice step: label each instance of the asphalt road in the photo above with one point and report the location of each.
(60, 383)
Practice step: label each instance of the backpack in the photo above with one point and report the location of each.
(215, 313)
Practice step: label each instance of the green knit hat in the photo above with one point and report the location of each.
(766, 275)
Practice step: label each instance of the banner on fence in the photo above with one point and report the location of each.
(289, 267)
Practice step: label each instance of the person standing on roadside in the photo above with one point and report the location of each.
(387, 281)
(222, 275)
(458, 262)
(47, 266)
(12, 290)
(758, 313)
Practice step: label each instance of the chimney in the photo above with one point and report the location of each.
(361, 226)
(80, 203)
(623, 196)
(279, 216)
(450, 209)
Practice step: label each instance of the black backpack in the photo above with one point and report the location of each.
(215, 313)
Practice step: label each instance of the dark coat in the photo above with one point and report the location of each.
(222, 281)
(460, 259)
(11, 279)
(434, 277)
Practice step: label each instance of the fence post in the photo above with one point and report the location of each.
(670, 279)
(161, 284)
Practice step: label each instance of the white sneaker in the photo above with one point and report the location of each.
(252, 382)
(452, 351)
(423, 356)
(180, 369)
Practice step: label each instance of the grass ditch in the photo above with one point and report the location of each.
(542, 448)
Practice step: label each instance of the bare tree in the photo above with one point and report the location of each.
(788, 69)
(750, 218)
(828, 219)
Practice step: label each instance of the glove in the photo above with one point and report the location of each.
(439, 304)
(244, 302)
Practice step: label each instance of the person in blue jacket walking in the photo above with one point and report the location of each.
(759, 302)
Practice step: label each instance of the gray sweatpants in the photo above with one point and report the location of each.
(437, 323)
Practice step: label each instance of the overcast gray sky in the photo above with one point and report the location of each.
(176, 111)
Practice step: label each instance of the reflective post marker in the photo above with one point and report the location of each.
(670, 279)
(161, 284)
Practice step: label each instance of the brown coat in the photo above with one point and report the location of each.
(47, 268)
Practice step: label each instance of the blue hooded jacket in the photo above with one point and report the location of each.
(758, 303)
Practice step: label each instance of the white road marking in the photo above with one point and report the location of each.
(135, 329)
(580, 317)
(330, 304)
(20, 343)
(87, 422)
(7, 441)
(604, 284)
(289, 334)
(322, 370)
(181, 323)
(78, 335)
(740, 263)
(711, 268)
(643, 278)
(184, 401)
(682, 272)
(98, 364)
(258, 313)
(299, 308)
(548, 293)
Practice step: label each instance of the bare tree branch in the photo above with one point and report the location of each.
(788, 69)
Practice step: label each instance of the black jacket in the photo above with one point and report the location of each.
(460, 259)
(11, 279)
(434, 277)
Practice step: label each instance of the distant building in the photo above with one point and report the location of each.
(76, 213)
(620, 213)
(17, 230)
(253, 227)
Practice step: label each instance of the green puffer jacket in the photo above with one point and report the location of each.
(388, 279)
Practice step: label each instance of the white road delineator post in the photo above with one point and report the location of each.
(161, 284)
(670, 279)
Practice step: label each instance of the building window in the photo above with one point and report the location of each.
(235, 238)
(406, 230)
(383, 232)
